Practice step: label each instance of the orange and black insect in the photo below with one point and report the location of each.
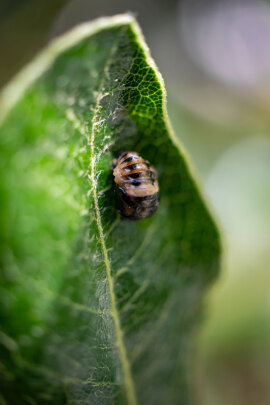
(136, 186)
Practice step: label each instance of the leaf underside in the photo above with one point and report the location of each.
(96, 309)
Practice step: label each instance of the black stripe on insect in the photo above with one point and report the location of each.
(132, 167)
(134, 175)
(127, 160)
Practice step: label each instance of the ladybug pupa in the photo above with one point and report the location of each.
(136, 186)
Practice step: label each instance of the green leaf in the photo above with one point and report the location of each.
(96, 309)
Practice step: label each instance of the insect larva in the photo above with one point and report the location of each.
(136, 185)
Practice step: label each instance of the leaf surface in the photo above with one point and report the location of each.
(96, 309)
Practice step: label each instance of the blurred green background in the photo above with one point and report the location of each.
(215, 59)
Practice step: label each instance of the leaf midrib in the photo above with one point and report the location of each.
(127, 375)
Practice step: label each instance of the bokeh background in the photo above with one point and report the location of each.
(215, 59)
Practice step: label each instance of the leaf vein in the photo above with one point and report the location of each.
(128, 380)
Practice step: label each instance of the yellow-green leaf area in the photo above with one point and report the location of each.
(96, 309)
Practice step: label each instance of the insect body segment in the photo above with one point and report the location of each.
(136, 185)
